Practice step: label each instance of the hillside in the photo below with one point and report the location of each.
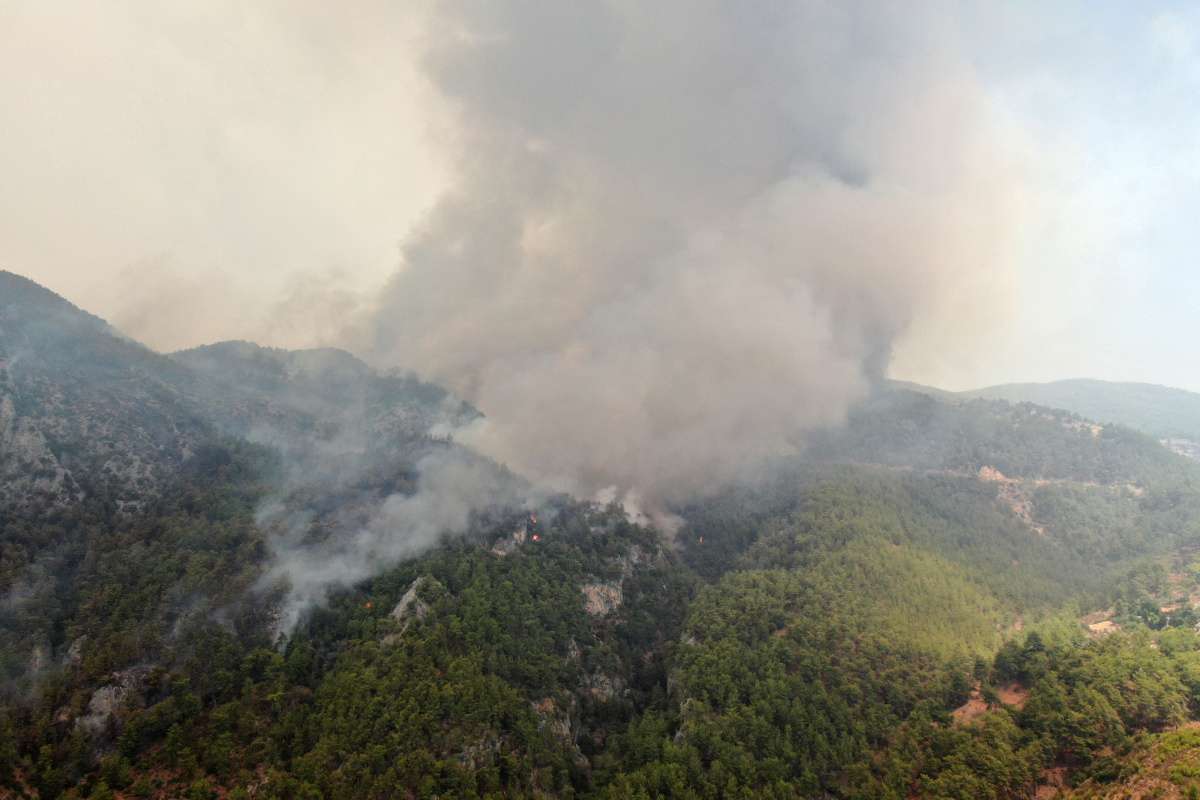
(84, 412)
(277, 395)
(894, 612)
(87, 414)
(1164, 766)
(1160, 411)
(108, 449)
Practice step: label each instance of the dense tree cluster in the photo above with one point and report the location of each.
(811, 633)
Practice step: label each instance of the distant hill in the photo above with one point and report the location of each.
(1160, 411)
(907, 428)
(920, 388)
(86, 412)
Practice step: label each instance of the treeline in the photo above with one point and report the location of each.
(816, 701)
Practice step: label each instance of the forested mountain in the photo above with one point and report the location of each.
(84, 412)
(1160, 411)
(87, 414)
(902, 610)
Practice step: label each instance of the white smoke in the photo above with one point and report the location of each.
(452, 486)
(679, 236)
(682, 233)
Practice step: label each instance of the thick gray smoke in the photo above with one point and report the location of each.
(682, 233)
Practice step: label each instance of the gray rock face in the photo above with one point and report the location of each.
(411, 606)
(30, 474)
(109, 700)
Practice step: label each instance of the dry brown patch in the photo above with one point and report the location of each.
(973, 709)
(1013, 694)
(1053, 783)
(1098, 616)
(1010, 492)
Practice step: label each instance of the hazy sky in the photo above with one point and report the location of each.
(207, 170)
(1108, 95)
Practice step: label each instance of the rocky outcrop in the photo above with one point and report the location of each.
(107, 702)
(30, 475)
(603, 687)
(602, 599)
(555, 720)
(412, 606)
(631, 559)
(509, 544)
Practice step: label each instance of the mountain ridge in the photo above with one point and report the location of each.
(1161, 411)
(78, 397)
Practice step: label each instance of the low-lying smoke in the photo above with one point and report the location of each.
(683, 233)
(451, 487)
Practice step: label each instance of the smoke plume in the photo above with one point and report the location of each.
(451, 488)
(682, 233)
